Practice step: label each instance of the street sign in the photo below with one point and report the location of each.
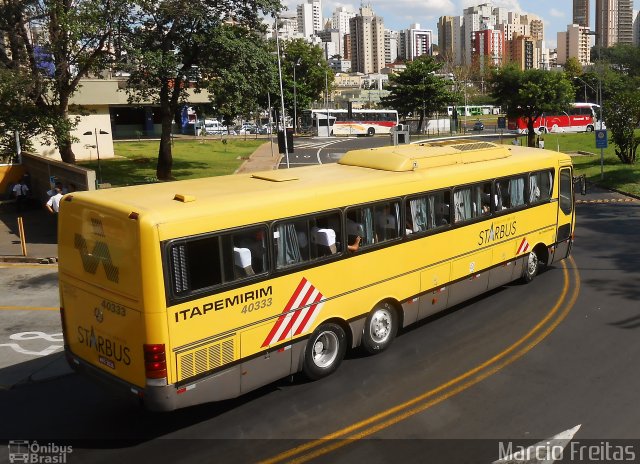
(601, 139)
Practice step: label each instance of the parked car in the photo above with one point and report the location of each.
(478, 126)
(247, 128)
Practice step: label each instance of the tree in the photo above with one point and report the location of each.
(622, 113)
(528, 94)
(53, 44)
(312, 73)
(245, 74)
(418, 89)
(172, 48)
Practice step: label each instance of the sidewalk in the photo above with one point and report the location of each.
(39, 226)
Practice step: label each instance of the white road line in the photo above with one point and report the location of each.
(544, 452)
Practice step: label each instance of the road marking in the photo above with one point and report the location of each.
(26, 265)
(606, 200)
(28, 308)
(543, 452)
(443, 392)
(45, 352)
(25, 336)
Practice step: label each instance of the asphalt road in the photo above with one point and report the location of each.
(518, 365)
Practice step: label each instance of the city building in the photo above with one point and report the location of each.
(446, 37)
(390, 46)
(367, 41)
(414, 42)
(574, 43)
(614, 22)
(581, 13)
(309, 16)
(488, 48)
(340, 21)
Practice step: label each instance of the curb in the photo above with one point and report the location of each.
(27, 259)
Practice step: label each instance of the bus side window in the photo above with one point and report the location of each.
(463, 204)
(249, 251)
(387, 221)
(540, 186)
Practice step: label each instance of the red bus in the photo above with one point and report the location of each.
(581, 117)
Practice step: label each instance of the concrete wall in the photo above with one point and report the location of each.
(84, 148)
(41, 170)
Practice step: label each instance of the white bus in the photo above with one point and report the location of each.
(345, 122)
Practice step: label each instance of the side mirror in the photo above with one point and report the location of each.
(582, 180)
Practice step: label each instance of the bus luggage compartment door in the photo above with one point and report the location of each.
(435, 280)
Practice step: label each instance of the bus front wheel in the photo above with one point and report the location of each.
(371, 132)
(380, 328)
(324, 352)
(531, 267)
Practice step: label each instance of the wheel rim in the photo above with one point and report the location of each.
(532, 264)
(380, 325)
(325, 349)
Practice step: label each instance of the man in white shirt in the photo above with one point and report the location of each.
(53, 205)
(21, 193)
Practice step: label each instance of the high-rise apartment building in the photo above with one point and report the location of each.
(390, 46)
(367, 42)
(309, 16)
(340, 21)
(581, 12)
(445, 37)
(614, 22)
(488, 48)
(415, 42)
(625, 21)
(574, 43)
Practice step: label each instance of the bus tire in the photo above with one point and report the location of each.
(531, 266)
(325, 351)
(371, 132)
(589, 128)
(380, 328)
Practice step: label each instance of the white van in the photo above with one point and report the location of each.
(214, 127)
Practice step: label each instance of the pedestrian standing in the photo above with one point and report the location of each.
(21, 194)
(53, 204)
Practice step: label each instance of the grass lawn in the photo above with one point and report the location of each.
(136, 162)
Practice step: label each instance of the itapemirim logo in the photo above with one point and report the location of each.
(99, 254)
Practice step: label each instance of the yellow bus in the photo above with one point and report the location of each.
(200, 290)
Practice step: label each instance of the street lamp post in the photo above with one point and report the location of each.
(326, 87)
(282, 117)
(97, 147)
(600, 102)
(295, 98)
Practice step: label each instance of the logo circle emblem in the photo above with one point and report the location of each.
(99, 314)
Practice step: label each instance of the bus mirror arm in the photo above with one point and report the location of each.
(582, 180)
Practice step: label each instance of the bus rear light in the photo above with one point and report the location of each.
(155, 361)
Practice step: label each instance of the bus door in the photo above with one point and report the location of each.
(566, 215)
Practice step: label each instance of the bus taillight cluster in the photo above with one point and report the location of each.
(155, 361)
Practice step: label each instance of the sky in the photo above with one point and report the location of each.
(400, 14)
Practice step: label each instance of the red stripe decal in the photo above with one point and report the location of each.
(309, 314)
(294, 318)
(287, 308)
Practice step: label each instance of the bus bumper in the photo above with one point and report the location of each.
(160, 398)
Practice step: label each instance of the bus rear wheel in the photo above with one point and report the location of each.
(325, 351)
(380, 328)
(531, 267)
(371, 132)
